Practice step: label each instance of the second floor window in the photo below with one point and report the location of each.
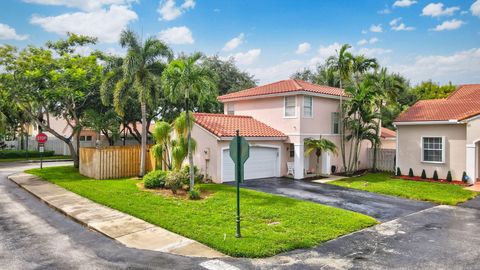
(289, 106)
(230, 109)
(335, 123)
(307, 106)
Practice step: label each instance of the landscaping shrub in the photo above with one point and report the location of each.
(435, 175)
(464, 177)
(399, 172)
(410, 173)
(174, 181)
(155, 179)
(424, 175)
(449, 176)
(198, 178)
(194, 194)
(22, 153)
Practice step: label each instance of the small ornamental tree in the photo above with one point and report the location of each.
(424, 175)
(399, 172)
(449, 176)
(410, 173)
(435, 175)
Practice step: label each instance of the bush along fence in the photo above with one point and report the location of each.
(22, 154)
(113, 161)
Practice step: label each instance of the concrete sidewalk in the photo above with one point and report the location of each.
(128, 230)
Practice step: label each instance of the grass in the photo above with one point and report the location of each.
(426, 191)
(33, 158)
(270, 224)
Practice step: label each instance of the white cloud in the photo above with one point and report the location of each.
(397, 25)
(364, 32)
(326, 51)
(177, 35)
(9, 33)
(233, 43)
(87, 5)
(169, 10)
(449, 25)
(373, 40)
(362, 42)
(376, 28)
(460, 67)
(436, 10)
(475, 8)
(384, 11)
(104, 24)
(277, 72)
(246, 58)
(374, 52)
(404, 3)
(303, 48)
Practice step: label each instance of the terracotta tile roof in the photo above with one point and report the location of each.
(223, 125)
(461, 104)
(387, 133)
(467, 91)
(284, 87)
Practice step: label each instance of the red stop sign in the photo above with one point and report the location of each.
(41, 138)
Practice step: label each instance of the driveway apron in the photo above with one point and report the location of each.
(381, 207)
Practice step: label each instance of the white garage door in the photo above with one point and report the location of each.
(263, 162)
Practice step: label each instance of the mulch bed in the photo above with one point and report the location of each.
(181, 193)
(417, 178)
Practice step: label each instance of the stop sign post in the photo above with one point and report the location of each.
(41, 139)
(239, 152)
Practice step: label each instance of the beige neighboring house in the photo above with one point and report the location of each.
(276, 119)
(388, 138)
(442, 135)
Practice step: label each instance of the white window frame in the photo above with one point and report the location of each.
(230, 109)
(311, 106)
(285, 107)
(443, 150)
(332, 122)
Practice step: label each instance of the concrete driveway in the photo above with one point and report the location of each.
(381, 207)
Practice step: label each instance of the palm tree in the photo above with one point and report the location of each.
(141, 69)
(342, 64)
(184, 79)
(161, 150)
(318, 147)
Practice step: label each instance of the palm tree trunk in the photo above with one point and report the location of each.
(342, 131)
(189, 150)
(143, 151)
(317, 168)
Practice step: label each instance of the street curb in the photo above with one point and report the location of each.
(130, 239)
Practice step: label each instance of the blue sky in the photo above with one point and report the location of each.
(271, 39)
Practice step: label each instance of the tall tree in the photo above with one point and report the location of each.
(53, 82)
(142, 67)
(186, 80)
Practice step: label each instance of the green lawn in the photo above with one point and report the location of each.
(426, 191)
(270, 224)
(33, 158)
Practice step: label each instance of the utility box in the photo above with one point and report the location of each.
(206, 153)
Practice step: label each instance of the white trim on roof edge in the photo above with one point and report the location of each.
(412, 123)
(289, 93)
(255, 138)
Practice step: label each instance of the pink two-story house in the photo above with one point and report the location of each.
(276, 119)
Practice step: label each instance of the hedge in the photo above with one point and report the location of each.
(22, 153)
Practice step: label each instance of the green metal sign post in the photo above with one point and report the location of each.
(239, 152)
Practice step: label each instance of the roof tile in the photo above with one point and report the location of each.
(283, 87)
(223, 125)
(461, 104)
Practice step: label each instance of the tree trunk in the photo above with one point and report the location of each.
(190, 154)
(317, 168)
(342, 131)
(73, 154)
(375, 148)
(143, 150)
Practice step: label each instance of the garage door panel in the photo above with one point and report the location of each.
(263, 162)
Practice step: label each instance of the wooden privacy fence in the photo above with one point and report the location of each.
(385, 159)
(113, 161)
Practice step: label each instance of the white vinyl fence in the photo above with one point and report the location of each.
(385, 159)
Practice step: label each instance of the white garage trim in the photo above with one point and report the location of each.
(279, 157)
